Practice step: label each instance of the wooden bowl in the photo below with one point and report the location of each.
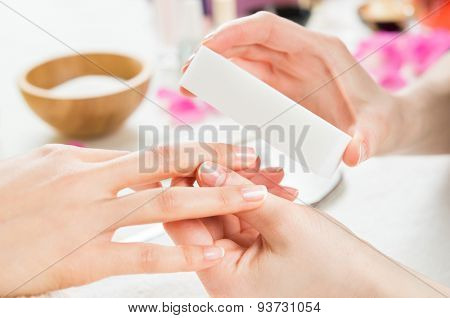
(88, 116)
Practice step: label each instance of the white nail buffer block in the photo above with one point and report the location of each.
(250, 101)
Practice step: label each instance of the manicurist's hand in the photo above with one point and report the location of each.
(318, 72)
(59, 208)
(282, 249)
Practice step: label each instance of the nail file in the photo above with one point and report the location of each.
(285, 124)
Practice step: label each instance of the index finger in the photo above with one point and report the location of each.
(261, 28)
(181, 160)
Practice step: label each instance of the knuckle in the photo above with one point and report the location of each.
(164, 151)
(166, 201)
(64, 151)
(265, 15)
(223, 197)
(147, 259)
(334, 41)
(49, 149)
(189, 256)
(164, 156)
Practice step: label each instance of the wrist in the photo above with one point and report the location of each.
(408, 121)
(381, 276)
(389, 124)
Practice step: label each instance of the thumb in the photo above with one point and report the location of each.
(370, 137)
(357, 150)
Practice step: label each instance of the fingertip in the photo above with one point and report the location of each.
(285, 192)
(254, 193)
(355, 153)
(293, 192)
(213, 253)
(273, 170)
(211, 174)
(246, 157)
(208, 38)
(186, 65)
(185, 92)
(274, 173)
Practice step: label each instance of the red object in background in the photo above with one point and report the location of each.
(435, 13)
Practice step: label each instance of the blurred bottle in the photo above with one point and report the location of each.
(180, 26)
(166, 26)
(191, 27)
(223, 11)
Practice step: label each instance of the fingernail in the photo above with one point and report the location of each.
(212, 175)
(209, 36)
(190, 58)
(245, 154)
(254, 193)
(292, 191)
(212, 253)
(362, 153)
(273, 169)
(188, 61)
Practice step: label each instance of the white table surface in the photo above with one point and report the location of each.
(399, 204)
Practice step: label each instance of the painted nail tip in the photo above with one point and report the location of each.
(206, 165)
(222, 252)
(208, 37)
(295, 194)
(274, 169)
(253, 194)
(213, 253)
(212, 175)
(362, 153)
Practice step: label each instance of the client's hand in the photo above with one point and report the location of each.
(318, 72)
(282, 249)
(59, 209)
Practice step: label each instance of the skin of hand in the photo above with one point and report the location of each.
(426, 111)
(60, 209)
(282, 249)
(318, 72)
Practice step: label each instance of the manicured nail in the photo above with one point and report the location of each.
(212, 253)
(292, 191)
(273, 169)
(362, 153)
(190, 58)
(254, 193)
(212, 175)
(209, 36)
(188, 61)
(246, 154)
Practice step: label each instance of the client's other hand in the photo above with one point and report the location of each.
(59, 209)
